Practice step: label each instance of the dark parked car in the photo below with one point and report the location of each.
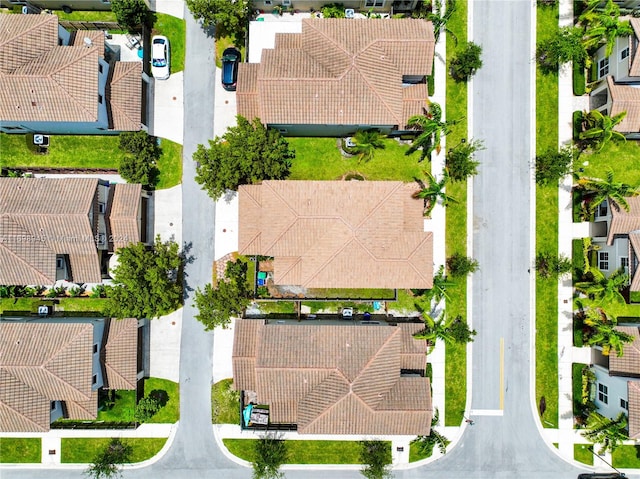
(605, 475)
(230, 60)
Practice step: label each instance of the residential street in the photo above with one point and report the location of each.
(505, 440)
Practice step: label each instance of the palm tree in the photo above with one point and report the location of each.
(605, 333)
(431, 129)
(438, 328)
(366, 142)
(609, 433)
(434, 191)
(425, 444)
(602, 288)
(440, 18)
(615, 192)
(603, 26)
(598, 129)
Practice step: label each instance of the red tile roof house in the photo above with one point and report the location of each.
(617, 233)
(56, 82)
(338, 234)
(67, 228)
(54, 368)
(332, 379)
(618, 381)
(340, 75)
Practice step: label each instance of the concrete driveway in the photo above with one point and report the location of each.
(167, 109)
(225, 109)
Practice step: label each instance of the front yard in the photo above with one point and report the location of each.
(83, 450)
(76, 305)
(20, 450)
(225, 403)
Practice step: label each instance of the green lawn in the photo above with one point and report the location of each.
(626, 166)
(83, 450)
(123, 410)
(582, 453)
(170, 413)
(627, 457)
(86, 151)
(20, 449)
(547, 233)
(415, 454)
(87, 16)
(456, 230)
(320, 159)
(225, 403)
(90, 305)
(304, 452)
(174, 29)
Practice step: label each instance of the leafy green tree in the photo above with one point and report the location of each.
(229, 18)
(431, 128)
(269, 454)
(550, 265)
(106, 463)
(553, 165)
(601, 288)
(466, 62)
(599, 129)
(131, 14)
(375, 456)
(565, 45)
(366, 142)
(603, 26)
(434, 191)
(459, 160)
(146, 282)
(141, 155)
(460, 331)
(146, 409)
(609, 433)
(426, 444)
(604, 333)
(445, 329)
(246, 154)
(614, 192)
(216, 306)
(459, 265)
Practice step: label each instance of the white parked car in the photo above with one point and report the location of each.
(160, 57)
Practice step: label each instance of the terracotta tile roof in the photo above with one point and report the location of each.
(625, 98)
(338, 71)
(120, 354)
(334, 379)
(41, 81)
(634, 239)
(123, 214)
(125, 94)
(633, 396)
(634, 62)
(378, 242)
(629, 363)
(84, 409)
(624, 222)
(96, 37)
(41, 218)
(39, 363)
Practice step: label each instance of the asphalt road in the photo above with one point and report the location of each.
(497, 447)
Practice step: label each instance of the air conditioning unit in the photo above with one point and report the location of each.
(349, 13)
(286, 3)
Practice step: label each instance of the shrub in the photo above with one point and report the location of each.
(551, 266)
(577, 125)
(460, 265)
(579, 80)
(146, 408)
(99, 291)
(460, 332)
(563, 46)
(466, 62)
(553, 165)
(376, 459)
(269, 453)
(459, 161)
(75, 291)
(141, 154)
(131, 14)
(333, 10)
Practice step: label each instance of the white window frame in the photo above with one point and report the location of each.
(603, 67)
(603, 209)
(624, 404)
(603, 393)
(624, 262)
(624, 53)
(603, 260)
(374, 3)
(268, 3)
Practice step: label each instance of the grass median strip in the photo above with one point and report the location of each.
(20, 450)
(547, 235)
(83, 450)
(304, 452)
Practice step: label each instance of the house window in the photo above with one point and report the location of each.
(603, 260)
(603, 67)
(624, 53)
(101, 208)
(624, 262)
(624, 404)
(374, 3)
(94, 379)
(602, 209)
(95, 348)
(101, 238)
(603, 393)
(100, 99)
(283, 131)
(53, 405)
(59, 263)
(268, 3)
(100, 68)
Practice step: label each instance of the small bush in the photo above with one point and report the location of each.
(579, 80)
(551, 266)
(460, 331)
(553, 165)
(460, 265)
(333, 10)
(460, 161)
(466, 62)
(431, 85)
(577, 125)
(146, 408)
(75, 291)
(99, 291)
